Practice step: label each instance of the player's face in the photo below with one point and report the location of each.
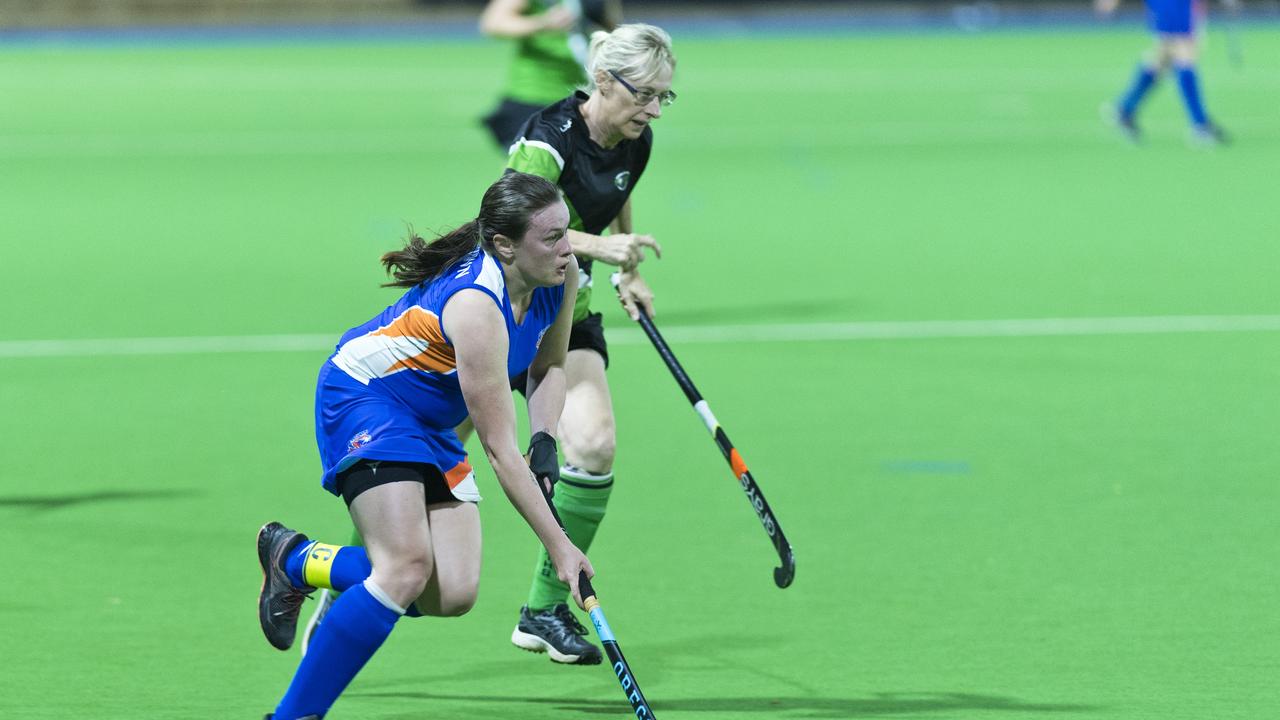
(544, 253)
(629, 115)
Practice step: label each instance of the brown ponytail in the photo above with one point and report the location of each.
(507, 206)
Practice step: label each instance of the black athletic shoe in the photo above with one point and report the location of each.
(558, 633)
(1209, 135)
(279, 601)
(1122, 122)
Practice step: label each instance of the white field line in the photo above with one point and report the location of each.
(843, 75)
(692, 335)
(1006, 123)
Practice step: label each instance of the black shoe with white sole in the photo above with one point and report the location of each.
(279, 601)
(556, 632)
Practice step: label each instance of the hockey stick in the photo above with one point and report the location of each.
(620, 667)
(781, 575)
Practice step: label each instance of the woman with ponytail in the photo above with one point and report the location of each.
(483, 303)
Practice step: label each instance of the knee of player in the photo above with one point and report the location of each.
(594, 449)
(448, 602)
(404, 577)
(1179, 50)
(457, 603)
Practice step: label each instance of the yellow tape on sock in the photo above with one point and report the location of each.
(318, 565)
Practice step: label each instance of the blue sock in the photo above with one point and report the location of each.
(1142, 83)
(330, 566)
(352, 631)
(1189, 84)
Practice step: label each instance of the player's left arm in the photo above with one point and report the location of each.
(507, 19)
(633, 291)
(546, 385)
(622, 223)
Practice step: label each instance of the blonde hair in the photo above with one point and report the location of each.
(636, 51)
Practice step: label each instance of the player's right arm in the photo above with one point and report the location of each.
(506, 19)
(479, 335)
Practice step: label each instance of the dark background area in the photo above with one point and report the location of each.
(35, 14)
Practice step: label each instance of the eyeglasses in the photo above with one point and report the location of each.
(644, 97)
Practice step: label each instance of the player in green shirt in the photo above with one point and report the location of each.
(549, 57)
(594, 145)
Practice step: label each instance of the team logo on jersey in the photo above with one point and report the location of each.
(621, 179)
(567, 124)
(361, 439)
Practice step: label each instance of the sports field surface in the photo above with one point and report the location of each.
(1069, 516)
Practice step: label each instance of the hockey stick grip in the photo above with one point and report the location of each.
(584, 586)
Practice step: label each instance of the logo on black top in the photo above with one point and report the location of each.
(621, 179)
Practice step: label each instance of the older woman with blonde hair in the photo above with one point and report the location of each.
(595, 146)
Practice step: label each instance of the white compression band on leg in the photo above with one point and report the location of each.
(381, 596)
(583, 477)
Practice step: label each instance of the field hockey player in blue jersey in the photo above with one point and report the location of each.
(594, 145)
(486, 302)
(1176, 24)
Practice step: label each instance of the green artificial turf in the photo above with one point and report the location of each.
(1063, 526)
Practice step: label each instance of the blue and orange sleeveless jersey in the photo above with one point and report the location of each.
(390, 391)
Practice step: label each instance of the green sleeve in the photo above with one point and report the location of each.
(536, 158)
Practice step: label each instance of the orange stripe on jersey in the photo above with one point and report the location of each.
(425, 325)
(457, 474)
(737, 463)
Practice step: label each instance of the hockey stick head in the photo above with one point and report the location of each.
(783, 576)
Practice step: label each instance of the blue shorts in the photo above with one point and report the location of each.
(1174, 17)
(354, 422)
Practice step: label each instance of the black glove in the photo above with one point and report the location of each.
(543, 461)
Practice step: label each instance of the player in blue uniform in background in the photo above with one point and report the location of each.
(486, 302)
(1176, 25)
